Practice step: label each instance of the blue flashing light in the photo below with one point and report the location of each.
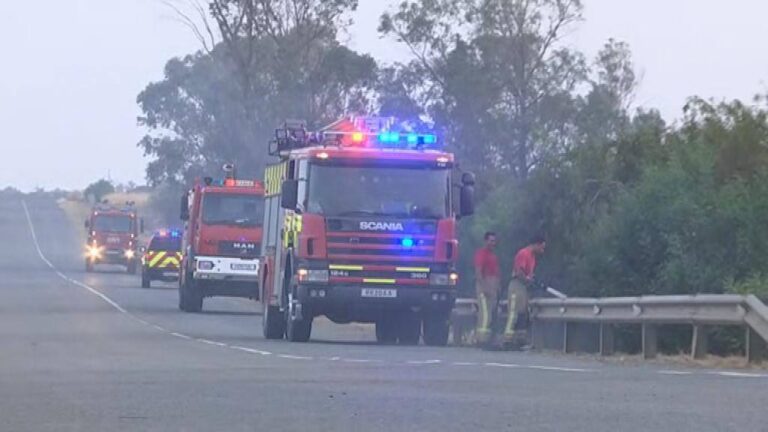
(407, 242)
(175, 234)
(389, 137)
(413, 139)
(430, 139)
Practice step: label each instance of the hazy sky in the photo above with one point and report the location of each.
(70, 71)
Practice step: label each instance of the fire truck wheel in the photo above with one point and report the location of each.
(190, 299)
(296, 330)
(386, 331)
(409, 329)
(88, 266)
(273, 322)
(146, 282)
(436, 329)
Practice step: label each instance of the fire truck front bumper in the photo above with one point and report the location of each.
(214, 268)
(366, 303)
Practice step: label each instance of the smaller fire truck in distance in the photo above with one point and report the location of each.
(360, 225)
(112, 236)
(222, 240)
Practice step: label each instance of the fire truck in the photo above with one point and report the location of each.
(112, 236)
(360, 226)
(222, 240)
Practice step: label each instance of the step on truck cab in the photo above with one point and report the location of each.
(360, 225)
(112, 236)
(222, 240)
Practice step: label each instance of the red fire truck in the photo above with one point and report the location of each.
(360, 225)
(222, 240)
(112, 236)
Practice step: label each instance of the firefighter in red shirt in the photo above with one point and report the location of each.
(515, 330)
(487, 286)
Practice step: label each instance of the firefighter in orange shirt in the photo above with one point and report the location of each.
(523, 269)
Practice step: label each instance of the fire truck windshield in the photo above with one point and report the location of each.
(382, 191)
(121, 224)
(233, 209)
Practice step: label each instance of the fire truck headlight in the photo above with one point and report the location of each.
(443, 279)
(205, 265)
(314, 276)
(129, 253)
(93, 251)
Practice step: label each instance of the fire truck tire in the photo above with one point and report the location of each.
(273, 322)
(88, 266)
(190, 300)
(409, 329)
(146, 282)
(297, 330)
(436, 330)
(386, 331)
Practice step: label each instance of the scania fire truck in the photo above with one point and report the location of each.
(221, 241)
(112, 236)
(360, 226)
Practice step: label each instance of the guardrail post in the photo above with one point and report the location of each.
(700, 342)
(650, 341)
(757, 348)
(606, 339)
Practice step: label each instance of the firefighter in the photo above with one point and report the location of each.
(523, 269)
(487, 286)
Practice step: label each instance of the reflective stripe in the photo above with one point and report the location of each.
(484, 318)
(154, 259)
(381, 281)
(413, 269)
(345, 267)
(511, 315)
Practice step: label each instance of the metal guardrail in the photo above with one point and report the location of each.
(587, 324)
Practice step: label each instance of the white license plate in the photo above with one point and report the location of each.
(170, 274)
(243, 267)
(379, 293)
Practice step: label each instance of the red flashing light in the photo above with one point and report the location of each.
(229, 182)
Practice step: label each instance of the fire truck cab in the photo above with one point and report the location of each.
(222, 240)
(360, 226)
(112, 236)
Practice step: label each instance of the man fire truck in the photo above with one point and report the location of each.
(222, 240)
(112, 236)
(360, 225)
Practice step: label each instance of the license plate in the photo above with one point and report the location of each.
(170, 274)
(379, 293)
(243, 267)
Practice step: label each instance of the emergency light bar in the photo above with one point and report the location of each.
(384, 139)
(168, 233)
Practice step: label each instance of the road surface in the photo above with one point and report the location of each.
(95, 352)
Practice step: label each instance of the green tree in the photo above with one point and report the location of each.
(97, 190)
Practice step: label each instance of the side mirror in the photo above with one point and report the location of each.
(467, 204)
(468, 179)
(184, 209)
(290, 194)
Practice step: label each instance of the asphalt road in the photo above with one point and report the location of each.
(95, 352)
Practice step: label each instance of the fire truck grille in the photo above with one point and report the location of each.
(384, 247)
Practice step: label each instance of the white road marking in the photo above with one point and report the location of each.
(465, 364)
(210, 342)
(506, 365)
(739, 374)
(250, 350)
(557, 368)
(351, 360)
(179, 335)
(294, 357)
(674, 372)
(424, 362)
